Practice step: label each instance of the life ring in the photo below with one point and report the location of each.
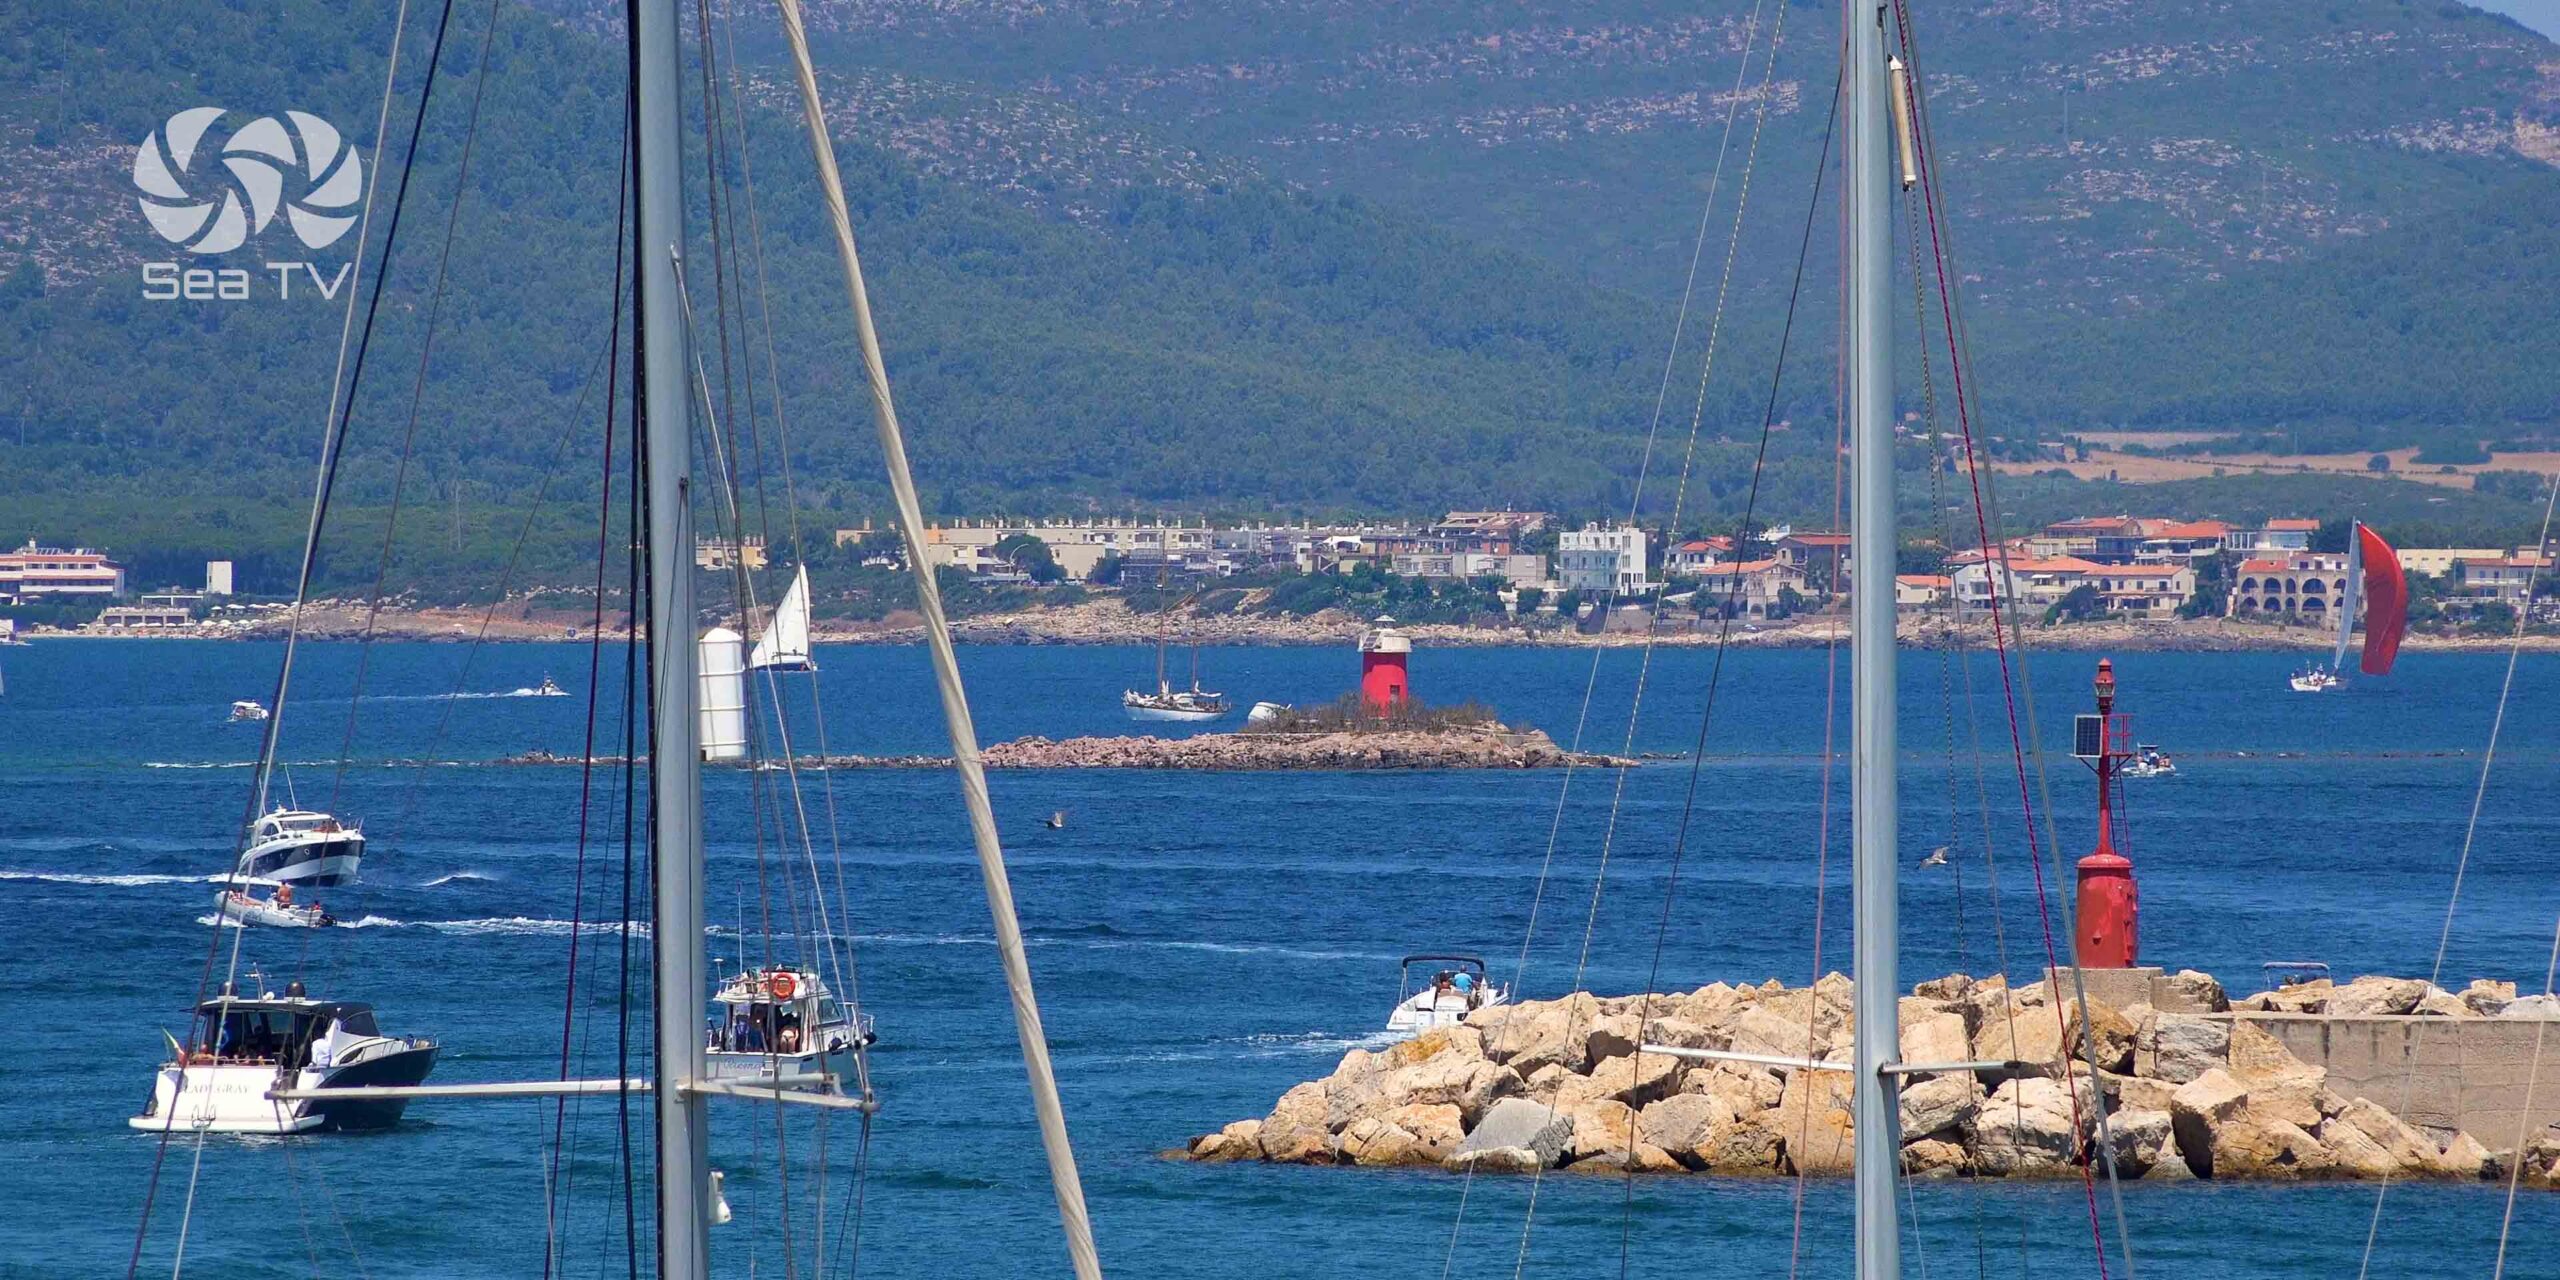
(789, 1040)
(782, 985)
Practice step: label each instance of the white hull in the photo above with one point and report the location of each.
(1264, 712)
(1428, 1009)
(2315, 684)
(241, 908)
(307, 858)
(225, 1099)
(1169, 713)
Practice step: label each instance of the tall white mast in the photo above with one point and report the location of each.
(1875, 832)
(675, 778)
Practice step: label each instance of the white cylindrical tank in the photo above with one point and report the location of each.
(724, 695)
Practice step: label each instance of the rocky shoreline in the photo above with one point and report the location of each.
(1381, 749)
(1561, 1085)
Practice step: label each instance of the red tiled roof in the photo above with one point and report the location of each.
(1818, 539)
(2184, 528)
(1924, 579)
(2291, 523)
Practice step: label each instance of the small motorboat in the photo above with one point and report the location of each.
(2316, 679)
(239, 906)
(2149, 762)
(547, 689)
(781, 1026)
(1455, 989)
(1265, 712)
(299, 846)
(247, 712)
(240, 1051)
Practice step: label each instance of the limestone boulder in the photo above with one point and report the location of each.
(1712, 1006)
(1239, 1141)
(1517, 1122)
(1469, 1084)
(1296, 1131)
(1939, 1104)
(1495, 1160)
(1602, 1126)
(1748, 1147)
(1746, 1089)
(1437, 1128)
(2102, 1033)
(1681, 1033)
(2140, 1093)
(2179, 1047)
(1954, 986)
(1613, 1035)
(2487, 998)
(2250, 1146)
(1378, 1143)
(1813, 1122)
(1460, 1041)
(2544, 1006)
(2189, 991)
(2301, 997)
(1932, 1034)
(2031, 1034)
(1638, 1078)
(1555, 1032)
(2463, 1157)
(2200, 1107)
(2025, 1126)
(1685, 1125)
(2172, 1164)
(1761, 1029)
(1933, 1158)
(1642, 1158)
(2256, 1055)
(2141, 1138)
(2440, 1003)
(2299, 1098)
(2374, 996)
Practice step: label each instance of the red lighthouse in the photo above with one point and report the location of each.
(2109, 932)
(1383, 681)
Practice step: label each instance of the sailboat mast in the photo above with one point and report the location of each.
(1874, 829)
(675, 779)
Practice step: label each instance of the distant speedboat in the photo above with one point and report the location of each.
(548, 689)
(2315, 679)
(246, 711)
(299, 846)
(1445, 998)
(239, 1050)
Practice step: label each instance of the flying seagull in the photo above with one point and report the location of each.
(1937, 857)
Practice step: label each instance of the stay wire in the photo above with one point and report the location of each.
(2453, 897)
(1591, 680)
(2023, 741)
(417, 397)
(331, 451)
(1644, 666)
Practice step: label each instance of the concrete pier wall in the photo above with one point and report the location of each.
(2467, 1074)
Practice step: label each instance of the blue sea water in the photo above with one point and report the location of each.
(1201, 942)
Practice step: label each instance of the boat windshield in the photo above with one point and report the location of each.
(248, 1034)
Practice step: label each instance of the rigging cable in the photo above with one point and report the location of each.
(333, 440)
(1925, 157)
(2453, 898)
(1564, 789)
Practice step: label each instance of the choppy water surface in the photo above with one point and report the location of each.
(1201, 943)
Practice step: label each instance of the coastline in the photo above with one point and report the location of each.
(1109, 622)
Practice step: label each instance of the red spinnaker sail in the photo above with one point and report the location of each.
(2386, 602)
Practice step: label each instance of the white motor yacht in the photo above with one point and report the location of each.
(248, 712)
(299, 846)
(781, 1026)
(1453, 990)
(239, 1050)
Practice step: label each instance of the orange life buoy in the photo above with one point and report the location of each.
(782, 985)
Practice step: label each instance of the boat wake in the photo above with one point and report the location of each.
(119, 881)
(460, 877)
(510, 926)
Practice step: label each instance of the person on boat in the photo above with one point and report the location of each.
(787, 1039)
(284, 896)
(1462, 982)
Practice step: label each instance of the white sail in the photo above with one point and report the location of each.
(2349, 597)
(785, 644)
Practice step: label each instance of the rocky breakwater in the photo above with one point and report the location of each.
(1364, 749)
(1561, 1084)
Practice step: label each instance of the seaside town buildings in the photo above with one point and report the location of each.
(34, 572)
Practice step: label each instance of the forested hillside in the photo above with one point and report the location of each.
(1311, 256)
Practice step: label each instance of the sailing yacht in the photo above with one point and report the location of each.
(784, 646)
(1194, 704)
(2375, 581)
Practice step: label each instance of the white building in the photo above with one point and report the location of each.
(1601, 559)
